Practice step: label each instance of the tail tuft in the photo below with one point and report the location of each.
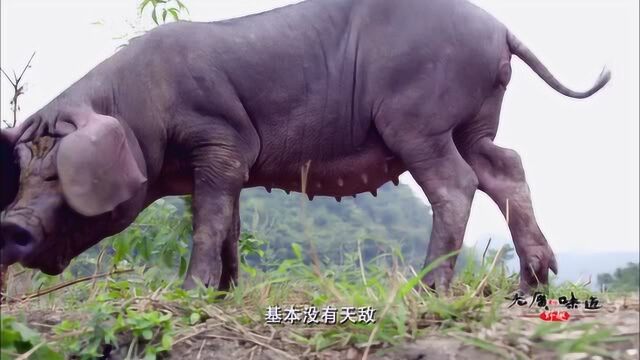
(604, 78)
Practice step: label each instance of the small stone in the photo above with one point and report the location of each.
(352, 354)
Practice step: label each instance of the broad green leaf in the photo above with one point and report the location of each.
(8, 337)
(297, 250)
(183, 266)
(45, 353)
(144, 4)
(154, 17)
(167, 341)
(194, 318)
(150, 353)
(174, 14)
(26, 333)
(249, 269)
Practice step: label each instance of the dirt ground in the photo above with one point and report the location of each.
(455, 346)
(513, 336)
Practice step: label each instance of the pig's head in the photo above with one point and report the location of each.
(65, 184)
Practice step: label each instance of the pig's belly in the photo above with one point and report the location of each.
(357, 172)
(353, 172)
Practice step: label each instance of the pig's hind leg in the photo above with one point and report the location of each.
(501, 176)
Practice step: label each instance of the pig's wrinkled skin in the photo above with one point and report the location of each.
(350, 92)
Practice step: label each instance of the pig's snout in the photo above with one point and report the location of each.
(16, 243)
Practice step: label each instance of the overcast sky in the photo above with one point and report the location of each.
(581, 157)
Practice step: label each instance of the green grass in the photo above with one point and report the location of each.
(142, 314)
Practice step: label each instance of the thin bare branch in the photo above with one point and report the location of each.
(26, 67)
(18, 90)
(484, 254)
(70, 283)
(8, 78)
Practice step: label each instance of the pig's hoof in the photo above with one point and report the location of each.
(438, 280)
(207, 279)
(189, 284)
(535, 266)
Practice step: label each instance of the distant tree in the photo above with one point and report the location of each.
(470, 257)
(623, 279)
(393, 219)
(506, 255)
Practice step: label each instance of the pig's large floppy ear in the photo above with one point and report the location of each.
(9, 169)
(96, 167)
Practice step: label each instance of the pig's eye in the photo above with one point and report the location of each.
(51, 178)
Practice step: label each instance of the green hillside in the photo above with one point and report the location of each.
(395, 217)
